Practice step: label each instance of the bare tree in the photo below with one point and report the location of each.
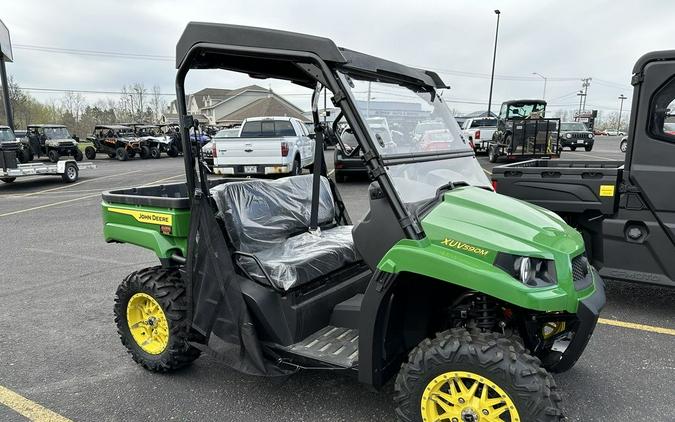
(74, 103)
(157, 103)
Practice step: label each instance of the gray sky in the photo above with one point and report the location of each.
(563, 40)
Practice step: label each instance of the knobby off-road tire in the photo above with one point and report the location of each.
(122, 154)
(496, 360)
(78, 155)
(90, 152)
(166, 288)
(492, 154)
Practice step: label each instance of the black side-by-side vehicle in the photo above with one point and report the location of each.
(625, 210)
(117, 141)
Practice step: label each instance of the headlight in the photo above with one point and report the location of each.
(533, 272)
(590, 135)
(568, 136)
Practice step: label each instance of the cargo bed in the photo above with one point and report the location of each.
(562, 185)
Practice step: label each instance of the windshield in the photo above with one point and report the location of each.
(6, 135)
(56, 133)
(418, 125)
(573, 126)
(227, 133)
(525, 110)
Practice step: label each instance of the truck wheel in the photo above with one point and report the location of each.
(145, 152)
(152, 321)
(155, 153)
(470, 377)
(122, 154)
(70, 173)
(492, 154)
(623, 146)
(8, 179)
(53, 155)
(173, 151)
(90, 153)
(297, 168)
(77, 155)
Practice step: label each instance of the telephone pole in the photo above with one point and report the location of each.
(618, 125)
(494, 58)
(582, 96)
(586, 82)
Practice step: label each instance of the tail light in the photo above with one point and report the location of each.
(214, 150)
(478, 134)
(494, 185)
(284, 149)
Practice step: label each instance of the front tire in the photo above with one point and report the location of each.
(90, 153)
(145, 152)
(623, 146)
(588, 148)
(8, 179)
(77, 155)
(461, 376)
(155, 153)
(122, 154)
(53, 155)
(573, 148)
(151, 317)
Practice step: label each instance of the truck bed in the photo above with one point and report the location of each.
(562, 185)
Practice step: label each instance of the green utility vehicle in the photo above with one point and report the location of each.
(468, 298)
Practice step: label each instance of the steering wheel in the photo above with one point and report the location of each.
(334, 128)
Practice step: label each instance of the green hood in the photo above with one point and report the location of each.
(481, 223)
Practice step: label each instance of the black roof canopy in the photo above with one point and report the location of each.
(229, 47)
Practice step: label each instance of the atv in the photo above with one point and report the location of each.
(172, 132)
(469, 299)
(154, 141)
(51, 141)
(117, 141)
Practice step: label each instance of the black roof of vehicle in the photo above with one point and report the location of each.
(651, 57)
(46, 125)
(509, 102)
(212, 35)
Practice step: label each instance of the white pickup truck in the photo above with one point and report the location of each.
(479, 132)
(265, 145)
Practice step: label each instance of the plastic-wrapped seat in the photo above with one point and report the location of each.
(268, 220)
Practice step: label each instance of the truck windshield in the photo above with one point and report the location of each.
(573, 126)
(57, 133)
(420, 127)
(6, 135)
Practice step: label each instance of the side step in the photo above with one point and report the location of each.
(337, 346)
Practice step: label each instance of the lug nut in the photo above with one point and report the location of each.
(485, 412)
(461, 400)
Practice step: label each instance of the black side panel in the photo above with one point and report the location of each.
(378, 231)
(219, 311)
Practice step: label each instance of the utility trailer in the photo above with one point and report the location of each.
(69, 170)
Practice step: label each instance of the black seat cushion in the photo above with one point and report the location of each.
(303, 258)
(270, 219)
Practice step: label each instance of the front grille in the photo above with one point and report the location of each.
(579, 268)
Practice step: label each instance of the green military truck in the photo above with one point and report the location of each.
(468, 298)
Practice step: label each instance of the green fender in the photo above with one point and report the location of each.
(430, 260)
(163, 246)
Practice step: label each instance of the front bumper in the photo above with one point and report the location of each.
(251, 170)
(576, 142)
(587, 315)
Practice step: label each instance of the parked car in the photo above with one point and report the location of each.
(575, 135)
(613, 132)
(265, 145)
(48, 140)
(209, 147)
(598, 132)
(479, 132)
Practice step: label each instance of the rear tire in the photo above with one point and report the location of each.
(121, 154)
(77, 155)
(8, 179)
(492, 154)
(297, 168)
(23, 156)
(71, 173)
(166, 288)
(90, 153)
(53, 155)
(487, 359)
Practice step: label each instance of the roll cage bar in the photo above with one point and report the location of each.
(309, 61)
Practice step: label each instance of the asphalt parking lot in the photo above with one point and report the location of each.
(59, 348)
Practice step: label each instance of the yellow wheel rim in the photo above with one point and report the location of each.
(147, 323)
(464, 396)
(552, 328)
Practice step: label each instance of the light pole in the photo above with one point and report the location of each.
(618, 125)
(494, 58)
(543, 96)
(581, 95)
